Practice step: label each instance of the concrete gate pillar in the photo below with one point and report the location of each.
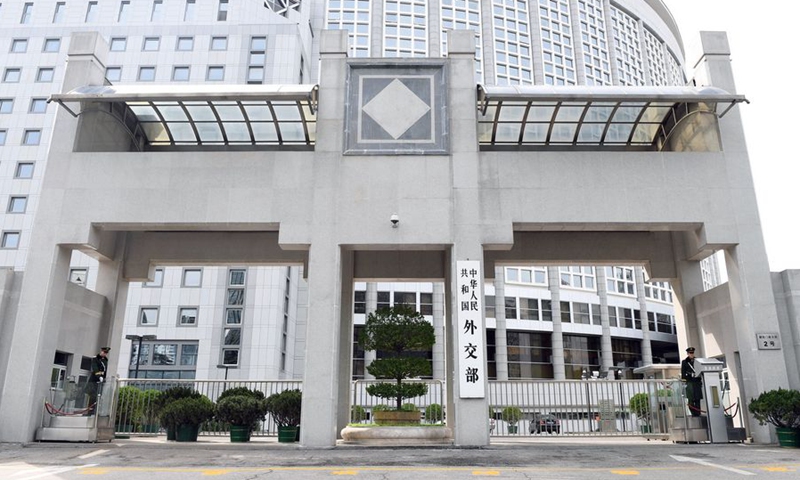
(557, 337)
(371, 300)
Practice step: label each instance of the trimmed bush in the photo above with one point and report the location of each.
(512, 415)
(187, 411)
(284, 407)
(780, 408)
(241, 410)
(434, 413)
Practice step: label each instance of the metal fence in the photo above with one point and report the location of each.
(582, 407)
(136, 412)
(545, 407)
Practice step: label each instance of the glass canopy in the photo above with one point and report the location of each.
(625, 118)
(250, 115)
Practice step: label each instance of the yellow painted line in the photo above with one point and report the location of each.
(625, 472)
(486, 472)
(778, 469)
(94, 471)
(344, 472)
(217, 471)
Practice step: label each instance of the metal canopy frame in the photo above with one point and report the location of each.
(590, 118)
(208, 116)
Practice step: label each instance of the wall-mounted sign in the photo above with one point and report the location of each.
(471, 350)
(768, 341)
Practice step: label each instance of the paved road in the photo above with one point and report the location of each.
(587, 459)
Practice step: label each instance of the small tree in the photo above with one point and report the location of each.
(398, 332)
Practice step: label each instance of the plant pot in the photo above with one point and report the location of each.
(147, 428)
(240, 433)
(287, 434)
(187, 433)
(646, 428)
(397, 417)
(126, 428)
(788, 437)
(512, 429)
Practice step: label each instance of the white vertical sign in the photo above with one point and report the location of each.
(471, 350)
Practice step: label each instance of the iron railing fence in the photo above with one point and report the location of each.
(136, 413)
(583, 407)
(363, 404)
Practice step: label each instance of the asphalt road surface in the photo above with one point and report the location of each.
(590, 459)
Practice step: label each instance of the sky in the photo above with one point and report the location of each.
(763, 41)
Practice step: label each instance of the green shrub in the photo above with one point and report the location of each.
(357, 414)
(150, 400)
(512, 415)
(409, 407)
(129, 406)
(284, 407)
(241, 410)
(434, 413)
(381, 408)
(779, 407)
(187, 411)
(241, 391)
(640, 406)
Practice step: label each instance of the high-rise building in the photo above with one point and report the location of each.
(183, 90)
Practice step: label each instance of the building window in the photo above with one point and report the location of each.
(156, 14)
(230, 356)
(17, 204)
(124, 10)
(627, 48)
(169, 360)
(360, 302)
(612, 316)
(219, 43)
(114, 74)
(529, 354)
(355, 18)
(511, 308)
(91, 12)
(118, 44)
(27, 12)
(192, 277)
(180, 74)
(10, 240)
(189, 12)
(577, 277)
(151, 44)
(406, 298)
(6, 105)
(660, 291)
(383, 300)
(31, 137)
(530, 275)
(38, 105)
(528, 308)
(11, 75)
(187, 316)
(78, 276)
(222, 11)
(216, 73)
(620, 280)
(45, 75)
(158, 279)
(581, 313)
(24, 170)
(58, 13)
(147, 74)
(59, 372)
(19, 45)
(234, 305)
(233, 316)
(2, 136)
(51, 45)
(426, 303)
(258, 55)
(148, 316)
(405, 28)
(165, 354)
(464, 15)
(185, 44)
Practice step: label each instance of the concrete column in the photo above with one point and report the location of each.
(647, 349)
(580, 63)
(439, 331)
(371, 298)
(612, 55)
(111, 285)
(463, 413)
(500, 339)
(345, 365)
(606, 352)
(557, 337)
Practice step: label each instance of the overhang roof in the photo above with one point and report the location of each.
(590, 116)
(200, 115)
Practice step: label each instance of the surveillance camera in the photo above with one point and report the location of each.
(395, 220)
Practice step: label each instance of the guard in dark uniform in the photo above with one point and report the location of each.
(694, 384)
(98, 377)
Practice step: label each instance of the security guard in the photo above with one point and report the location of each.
(694, 384)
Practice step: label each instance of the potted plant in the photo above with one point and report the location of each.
(357, 414)
(640, 406)
(512, 415)
(242, 412)
(284, 407)
(434, 413)
(167, 397)
(401, 334)
(185, 416)
(781, 408)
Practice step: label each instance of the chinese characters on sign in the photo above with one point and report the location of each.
(768, 341)
(471, 352)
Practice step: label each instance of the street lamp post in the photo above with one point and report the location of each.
(140, 338)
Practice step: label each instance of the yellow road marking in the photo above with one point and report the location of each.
(215, 472)
(486, 472)
(344, 472)
(778, 469)
(93, 471)
(625, 472)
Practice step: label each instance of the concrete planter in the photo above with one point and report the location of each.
(397, 417)
(397, 436)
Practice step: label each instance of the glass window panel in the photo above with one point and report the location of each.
(143, 358)
(287, 112)
(189, 354)
(155, 132)
(511, 113)
(230, 357)
(507, 132)
(237, 132)
(258, 112)
(569, 113)
(172, 114)
(233, 316)
(485, 132)
(229, 112)
(540, 113)
(618, 132)
(233, 336)
(292, 132)
(591, 132)
(148, 316)
(209, 132)
(627, 114)
(598, 113)
(164, 353)
(201, 113)
(535, 132)
(654, 114)
(235, 296)
(144, 113)
(236, 277)
(188, 316)
(264, 132)
(182, 132)
(563, 132)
